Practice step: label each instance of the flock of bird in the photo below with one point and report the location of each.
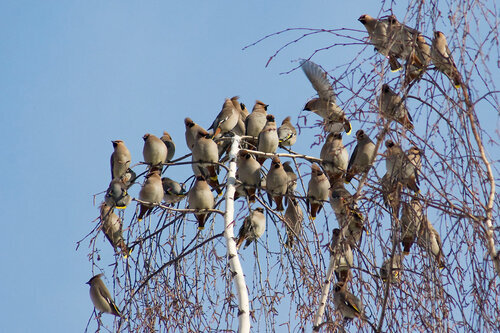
(260, 140)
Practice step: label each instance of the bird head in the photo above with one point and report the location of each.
(188, 122)
(146, 136)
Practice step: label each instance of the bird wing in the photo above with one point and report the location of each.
(317, 77)
(353, 157)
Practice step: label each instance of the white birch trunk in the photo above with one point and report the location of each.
(324, 296)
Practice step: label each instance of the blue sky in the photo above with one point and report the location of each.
(77, 74)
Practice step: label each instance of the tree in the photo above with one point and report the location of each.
(177, 280)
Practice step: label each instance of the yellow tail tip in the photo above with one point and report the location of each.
(201, 228)
(121, 207)
(139, 220)
(349, 132)
(396, 70)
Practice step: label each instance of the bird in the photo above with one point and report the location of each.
(411, 168)
(200, 197)
(317, 190)
(397, 266)
(255, 121)
(192, 130)
(167, 140)
(287, 133)
(341, 254)
(173, 192)
(226, 120)
(248, 173)
(325, 105)
(101, 298)
(151, 192)
(443, 60)
(392, 107)
(349, 305)
(418, 61)
(154, 151)
(117, 195)
(268, 138)
(362, 156)
(253, 228)
(394, 161)
(239, 129)
(276, 183)
(120, 159)
(205, 158)
(403, 39)
(412, 216)
(391, 193)
(402, 168)
(429, 240)
(111, 225)
(335, 156)
(291, 183)
(293, 221)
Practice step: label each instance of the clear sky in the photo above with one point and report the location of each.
(75, 75)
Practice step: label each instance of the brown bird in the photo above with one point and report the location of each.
(443, 60)
(418, 61)
(255, 122)
(276, 183)
(116, 195)
(151, 192)
(101, 297)
(411, 218)
(397, 266)
(341, 252)
(325, 105)
(411, 167)
(291, 180)
(392, 107)
(362, 157)
(317, 191)
(120, 159)
(268, 138)
(287, 133)
(293, 221)
(167, 140)
(349, 305)
(239, 129)
(335, 157)
(205, 156)
(253, 228)
(111, 225)
(192, 130)
(226, 120)
(200, 197)
(248, 173)
(429, 240)
(154, 151)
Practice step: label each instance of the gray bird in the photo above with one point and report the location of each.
(151, 192)
(239, 129)
(291, 180)
(154, 151)
(391, 193)
(335, 157)
(252, 229)
(317, 190)
(167, 140)
(287, 133)
(120, 159)
(349, 305)
(205, 156)
(418, 61)
(255, 122)
(394, 160)
(117, 195)
(192, 130)
(226, 120)
(411, 168)
(101, 297)
(325, 105)
(173, 192)
(293, 221)
(443, 60)
(111, 225)
(268, 138)
(341, 252)
(404, 38)
(429, 240)
(276, 183)
(248, 173)
(362, 156)
(411, 219)
(392, 107)
(397, 266)
(200, 197)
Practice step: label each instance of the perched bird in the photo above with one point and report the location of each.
(117, 195)
(255, 121)
(276, 183)
(268, 138)
(239, 129)
(335, 157)
(362, 156)
(317, 190)
(403, 39)
(205, 156)
(341, 252)
(167, 140)
(151, 192)
(391, 193)
(325, 105)
(293, 221)
(101, 297)
(397, 266)
(411, 219)
(154, 151)
(248, 173)
(111, 225)
(441, 57)
(291, 183)
(253, 228)
(429, 240)
(349, 305)
(192, 130)
(287, 133)
(418, 61)
(120, 159)
(200, 197)
(226, 120)
(411, 167)
(395, 158)
(392, 107)
(173, 192)
(402, 168)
